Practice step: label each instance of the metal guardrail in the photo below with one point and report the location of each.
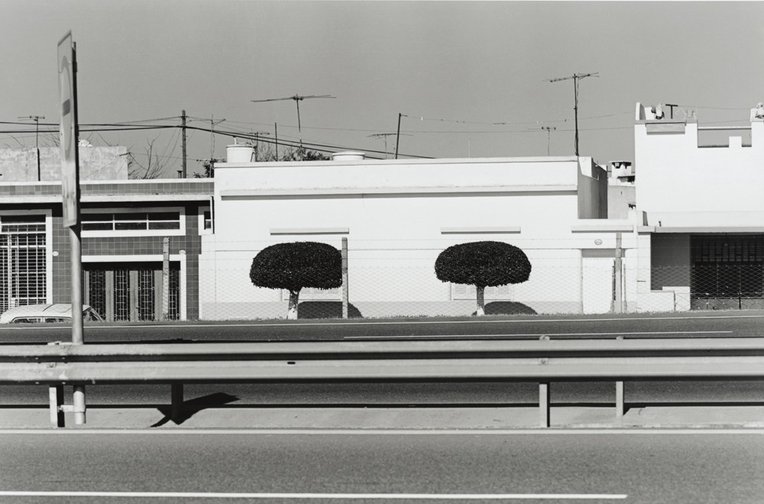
(542, 361)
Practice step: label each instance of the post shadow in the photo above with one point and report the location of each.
(189, 408)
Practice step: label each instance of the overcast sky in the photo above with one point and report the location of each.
(455, 69)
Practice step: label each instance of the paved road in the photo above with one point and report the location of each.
(693, 324)
(218, 466)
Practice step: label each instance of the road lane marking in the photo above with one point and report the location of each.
(534, 335)
(640, 431)
(314, 496)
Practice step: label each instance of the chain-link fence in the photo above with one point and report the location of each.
(397, 279)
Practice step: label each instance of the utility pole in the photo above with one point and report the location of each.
(398, 137)
(212, 135)
(549, 130)
(183, 132)
(575, 77)
(36, 119)
(276, 134)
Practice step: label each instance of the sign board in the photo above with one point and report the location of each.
(70, 169)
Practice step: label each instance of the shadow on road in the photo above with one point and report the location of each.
(193, 406)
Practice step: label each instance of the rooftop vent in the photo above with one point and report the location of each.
(238, 153)
(348, 156)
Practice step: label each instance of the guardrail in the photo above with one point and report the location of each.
(543, 361)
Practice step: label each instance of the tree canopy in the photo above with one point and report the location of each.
(483, 264)
(295, 265)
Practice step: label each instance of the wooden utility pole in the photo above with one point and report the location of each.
(575, 78)
(183, 132)
(36, 119)
(398, 136)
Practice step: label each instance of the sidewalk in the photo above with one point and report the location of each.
(398, 418)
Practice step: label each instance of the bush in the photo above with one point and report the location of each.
(483, 264)
(292, 266)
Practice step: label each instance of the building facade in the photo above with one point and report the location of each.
(699, 195)
(124, 226)
(397, 216)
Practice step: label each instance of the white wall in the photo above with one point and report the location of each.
(398, 216)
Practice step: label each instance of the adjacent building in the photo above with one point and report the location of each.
(124, 226)
(702, 229)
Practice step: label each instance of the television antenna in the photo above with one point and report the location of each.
(549, 130)
(384, 136)
(297, 99)
(576, 77)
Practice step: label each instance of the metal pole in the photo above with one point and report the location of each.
(398, 135)
(618, 305)
(276, 134)
(345, 286)
(76, 265)
(575, 107)
(544, 405)
(165, 278)
(79, 405)
(183, 132)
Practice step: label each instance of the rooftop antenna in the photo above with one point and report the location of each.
(385, 135)
(672, 106)
(549, 130)
(576, 77)
(297, 99)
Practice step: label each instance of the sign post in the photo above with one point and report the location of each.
(70, 189)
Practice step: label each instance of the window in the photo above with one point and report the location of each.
(23, 277)
(134, 223)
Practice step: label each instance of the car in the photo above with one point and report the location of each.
(46, 313)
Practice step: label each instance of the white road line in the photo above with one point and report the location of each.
(638, 431)
(313, 496)
(536, 335)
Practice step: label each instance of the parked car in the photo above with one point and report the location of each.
(46, 313)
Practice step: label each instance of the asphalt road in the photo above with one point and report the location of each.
(219, 466)
(686, 325)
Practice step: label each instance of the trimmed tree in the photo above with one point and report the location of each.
(483, 264)
(292, 266)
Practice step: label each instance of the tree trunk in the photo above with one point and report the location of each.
(294, 297)
(480, 300)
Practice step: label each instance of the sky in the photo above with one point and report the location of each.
(470, 78)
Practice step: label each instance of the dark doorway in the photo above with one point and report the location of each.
(727, 272)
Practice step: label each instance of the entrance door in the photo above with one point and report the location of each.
(131, 291)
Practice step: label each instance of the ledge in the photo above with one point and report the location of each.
(233, 194)
(481, 230)
(308, 231)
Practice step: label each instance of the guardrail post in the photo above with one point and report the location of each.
(544, 404)
(620, 405)
(345, 286)
(176, 404)
(56, 394)
(79, 405)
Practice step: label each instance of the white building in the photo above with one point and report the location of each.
(700, 192)
(397, 216)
